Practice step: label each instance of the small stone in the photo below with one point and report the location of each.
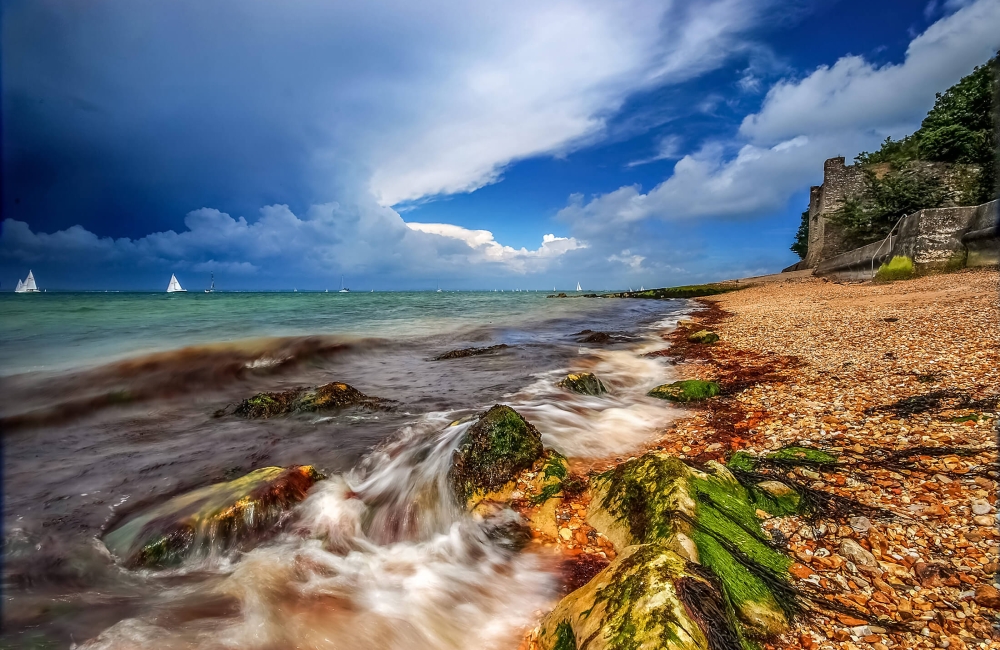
(565, 533)
(715, 446)
(983, 520)
(981, 507)
(860, 524)
(987, 596)
(856, 553)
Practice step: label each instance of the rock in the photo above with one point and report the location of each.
(703, 336)
(585, 383)
(218, 517)
(860, 524)
(649, 597)
(493, 451)
(590, 336)
(686, 391)
(982, 520)
(852, 551)
(658, 499)
(987, 596)
(470, 352)
(329, 396)
(981, 507)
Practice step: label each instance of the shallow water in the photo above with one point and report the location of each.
(377, 555)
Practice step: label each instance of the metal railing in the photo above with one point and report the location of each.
(888, 238)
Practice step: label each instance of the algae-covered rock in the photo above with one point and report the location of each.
(703, 336)
(791, 456)
(648, 598)
(493, 451)
(688, 390)
(585, 383)
(470, 352)
(216, 517)
(303, 400)
(707, 517)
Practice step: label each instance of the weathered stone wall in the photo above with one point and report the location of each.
(840, 182)
(936, 238)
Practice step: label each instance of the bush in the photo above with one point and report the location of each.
(801, 244)
(898, 268)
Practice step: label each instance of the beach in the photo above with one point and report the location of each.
(900, 382)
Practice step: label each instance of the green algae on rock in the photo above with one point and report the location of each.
(703, 336)
(216, 517)
(688, 390)
(648, 598)
(706, 517)
(493, 451)
(791, 456)
(303, 400)
(585, 383)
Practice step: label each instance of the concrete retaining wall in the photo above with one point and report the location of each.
(939, 238)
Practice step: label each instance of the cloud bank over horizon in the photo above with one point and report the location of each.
(340, 118)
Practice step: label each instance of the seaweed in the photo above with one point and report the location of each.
(470, 352)
(498, 446)
(934, 401)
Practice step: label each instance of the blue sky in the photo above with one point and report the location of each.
(403, 144)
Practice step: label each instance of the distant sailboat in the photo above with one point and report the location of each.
(343, 289)
(28, 286)
(641, 288)
(439, 288)
(175, 286)
(211, 289)
(578, 288)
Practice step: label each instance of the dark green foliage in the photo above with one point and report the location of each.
(801, 244)
(498, 446)
(960, 128)
(688, 390)
(885, 200)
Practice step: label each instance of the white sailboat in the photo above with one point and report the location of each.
(175, 286)
(211, 289)
(439, 288)
(28, 286)
(641, 288)
(578, 287)
(343, 289)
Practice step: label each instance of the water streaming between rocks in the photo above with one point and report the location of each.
(378, 555)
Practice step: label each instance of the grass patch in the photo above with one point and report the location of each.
(898, 268)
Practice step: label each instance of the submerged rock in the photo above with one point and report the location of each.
(703, 336)
(585, 383)
(688, 390)
(303, 400)
(493, 451)
(470, 352)
(590, 336)
(649, 597)
(216, 517)
(705, 517)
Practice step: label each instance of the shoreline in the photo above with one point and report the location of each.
(803, 360)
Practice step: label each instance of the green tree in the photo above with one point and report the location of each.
(801, 245)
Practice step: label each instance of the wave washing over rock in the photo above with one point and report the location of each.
(379, 553)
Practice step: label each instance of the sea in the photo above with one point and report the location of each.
(113, 402)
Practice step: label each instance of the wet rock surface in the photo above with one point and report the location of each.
(470, 352)
(335, 395)
(687, 390)
(216, 518)
(584, 383)
(493, 452)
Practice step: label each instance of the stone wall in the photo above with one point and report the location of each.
(936, 238)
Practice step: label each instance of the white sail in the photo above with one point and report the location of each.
(20, 286)
(174, 285)
(578, 287)
(29, 283)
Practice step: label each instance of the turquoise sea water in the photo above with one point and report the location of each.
(56, 331)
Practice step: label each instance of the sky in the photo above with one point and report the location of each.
(402, 145)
